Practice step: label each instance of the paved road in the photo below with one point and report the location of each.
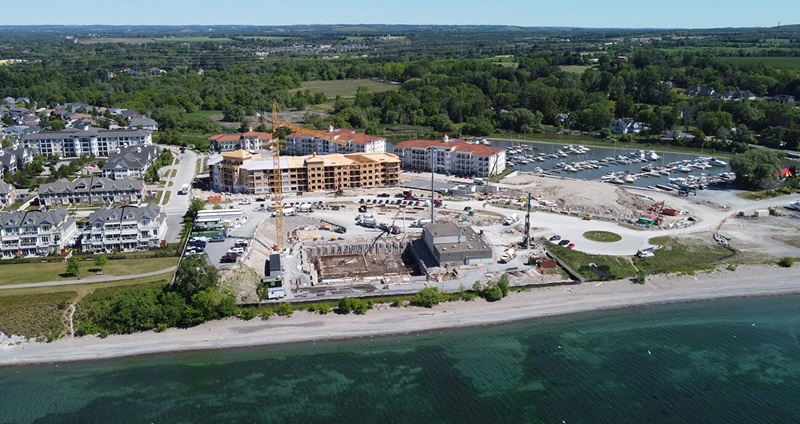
(88, 280)
(178, 204)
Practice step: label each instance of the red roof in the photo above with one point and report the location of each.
(259, 135)
(455, 144)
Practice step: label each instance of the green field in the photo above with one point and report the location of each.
(134, 40)
(39, 272)
(574, 69)
(204, 114)
(346, 88)
(774, 62)
(35, 316)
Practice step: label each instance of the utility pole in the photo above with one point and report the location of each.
(433, 206)
(528, 225)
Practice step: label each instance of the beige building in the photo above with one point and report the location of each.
(243, 172)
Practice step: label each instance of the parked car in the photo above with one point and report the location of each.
(217, 239)
(563, 242)
(384, 195)
(555, 238)
(228, 258)
(467, 208)
(571, 246)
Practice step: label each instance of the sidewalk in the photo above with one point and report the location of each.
(88, 280)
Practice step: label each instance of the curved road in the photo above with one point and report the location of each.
(88, 280)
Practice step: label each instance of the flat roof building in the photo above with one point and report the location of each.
(452, 245)
(243, 172)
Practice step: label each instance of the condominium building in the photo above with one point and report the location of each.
(124, 228)
(35, 233)
(451, 156)
(243, 172)
(250, 141)
(131, 162)
(74, 143)
(92, 190)
(308, 142)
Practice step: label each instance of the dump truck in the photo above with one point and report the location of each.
(508, 255)
(336, 228)
(511, 219)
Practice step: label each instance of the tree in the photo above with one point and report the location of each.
(427, 297)
(73, 266)
(755, 168)
(100, 261)
(352, 304)
(193, 276)
(57, 125)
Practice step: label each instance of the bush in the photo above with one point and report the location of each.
(267, 313)
(248, 313)
(427, 297)
(786, 262)
(284, 309)
(351, 304)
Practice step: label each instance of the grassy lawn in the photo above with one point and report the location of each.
(574, 69)
(35, 315)
(675, 257)
(198, 114)
(615, 266)
(765, 194)
(166, 196)
(38, 272)
(659, 241)
(602, 236)
(347, 88)
(84, 289)
(497, 178)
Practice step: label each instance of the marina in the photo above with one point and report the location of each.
(616, 165)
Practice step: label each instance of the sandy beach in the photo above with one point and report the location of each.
(302, 327)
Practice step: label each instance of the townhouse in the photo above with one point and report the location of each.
(243, 172)
(35, 233)
(8, 194)
(93, 190)
(451, 156)
(124, 228)
(14, 158)
(130, 162)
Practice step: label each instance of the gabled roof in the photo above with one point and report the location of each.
(452, 144)
(38, 217)
(132, 157)
(5, 187)
(149, 211)
(91, 184)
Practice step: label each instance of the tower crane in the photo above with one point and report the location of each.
(277, 174)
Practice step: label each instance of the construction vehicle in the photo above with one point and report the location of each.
(511, 219)
(659, 208)
(336, 228)
(277, 177)
(508, 255)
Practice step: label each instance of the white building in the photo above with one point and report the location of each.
(131, 162)
(124, 228)
(74, 143)
(308, 142)
(35, 233)
(250, 141)
(7, 194)
(451, 157)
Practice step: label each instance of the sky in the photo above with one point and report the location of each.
(529, 13)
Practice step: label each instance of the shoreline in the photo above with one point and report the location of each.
(385, 321)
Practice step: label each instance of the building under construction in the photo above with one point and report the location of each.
(336, 262)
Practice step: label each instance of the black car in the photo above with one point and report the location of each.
(563, 242)
(555, 238)
(261, 199)
(384, 195)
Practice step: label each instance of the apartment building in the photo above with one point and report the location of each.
(35, 233)
(451, 156)
(124, 228)
(74, 143)
(92, 190)
(130, 162)
(243, 172)
(250, 141)
(308, 142)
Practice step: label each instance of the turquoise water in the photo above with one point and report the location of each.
(728, 361)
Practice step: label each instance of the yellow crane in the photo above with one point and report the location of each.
(277, 174)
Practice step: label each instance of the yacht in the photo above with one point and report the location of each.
(651, 156)
(794, 205)
(717, 162)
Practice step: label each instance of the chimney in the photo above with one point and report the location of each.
(446, 138)
(330, 128)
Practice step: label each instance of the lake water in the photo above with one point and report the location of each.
(726, 361)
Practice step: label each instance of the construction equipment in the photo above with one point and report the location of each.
(336, 228)
(277, 174)
(508, 255)
(657, 207)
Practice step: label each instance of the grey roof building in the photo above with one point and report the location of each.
(452, 245)
(124, 228)
(143, 123)
(130, 162)
(7, 193)
(74, 143)
(93, 190)
(35, 233)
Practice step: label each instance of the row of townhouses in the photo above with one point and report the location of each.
(35, 233)
(451, 156)
(243, 172)
(124, 228)
(93, 190)
(14, 158)
(73, 143)
(130, 162)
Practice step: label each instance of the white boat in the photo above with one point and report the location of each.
(794, 205)
(629, 179)
(485, 142)
(717, 162)
(651, 155)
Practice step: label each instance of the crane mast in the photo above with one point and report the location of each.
(277, 179)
